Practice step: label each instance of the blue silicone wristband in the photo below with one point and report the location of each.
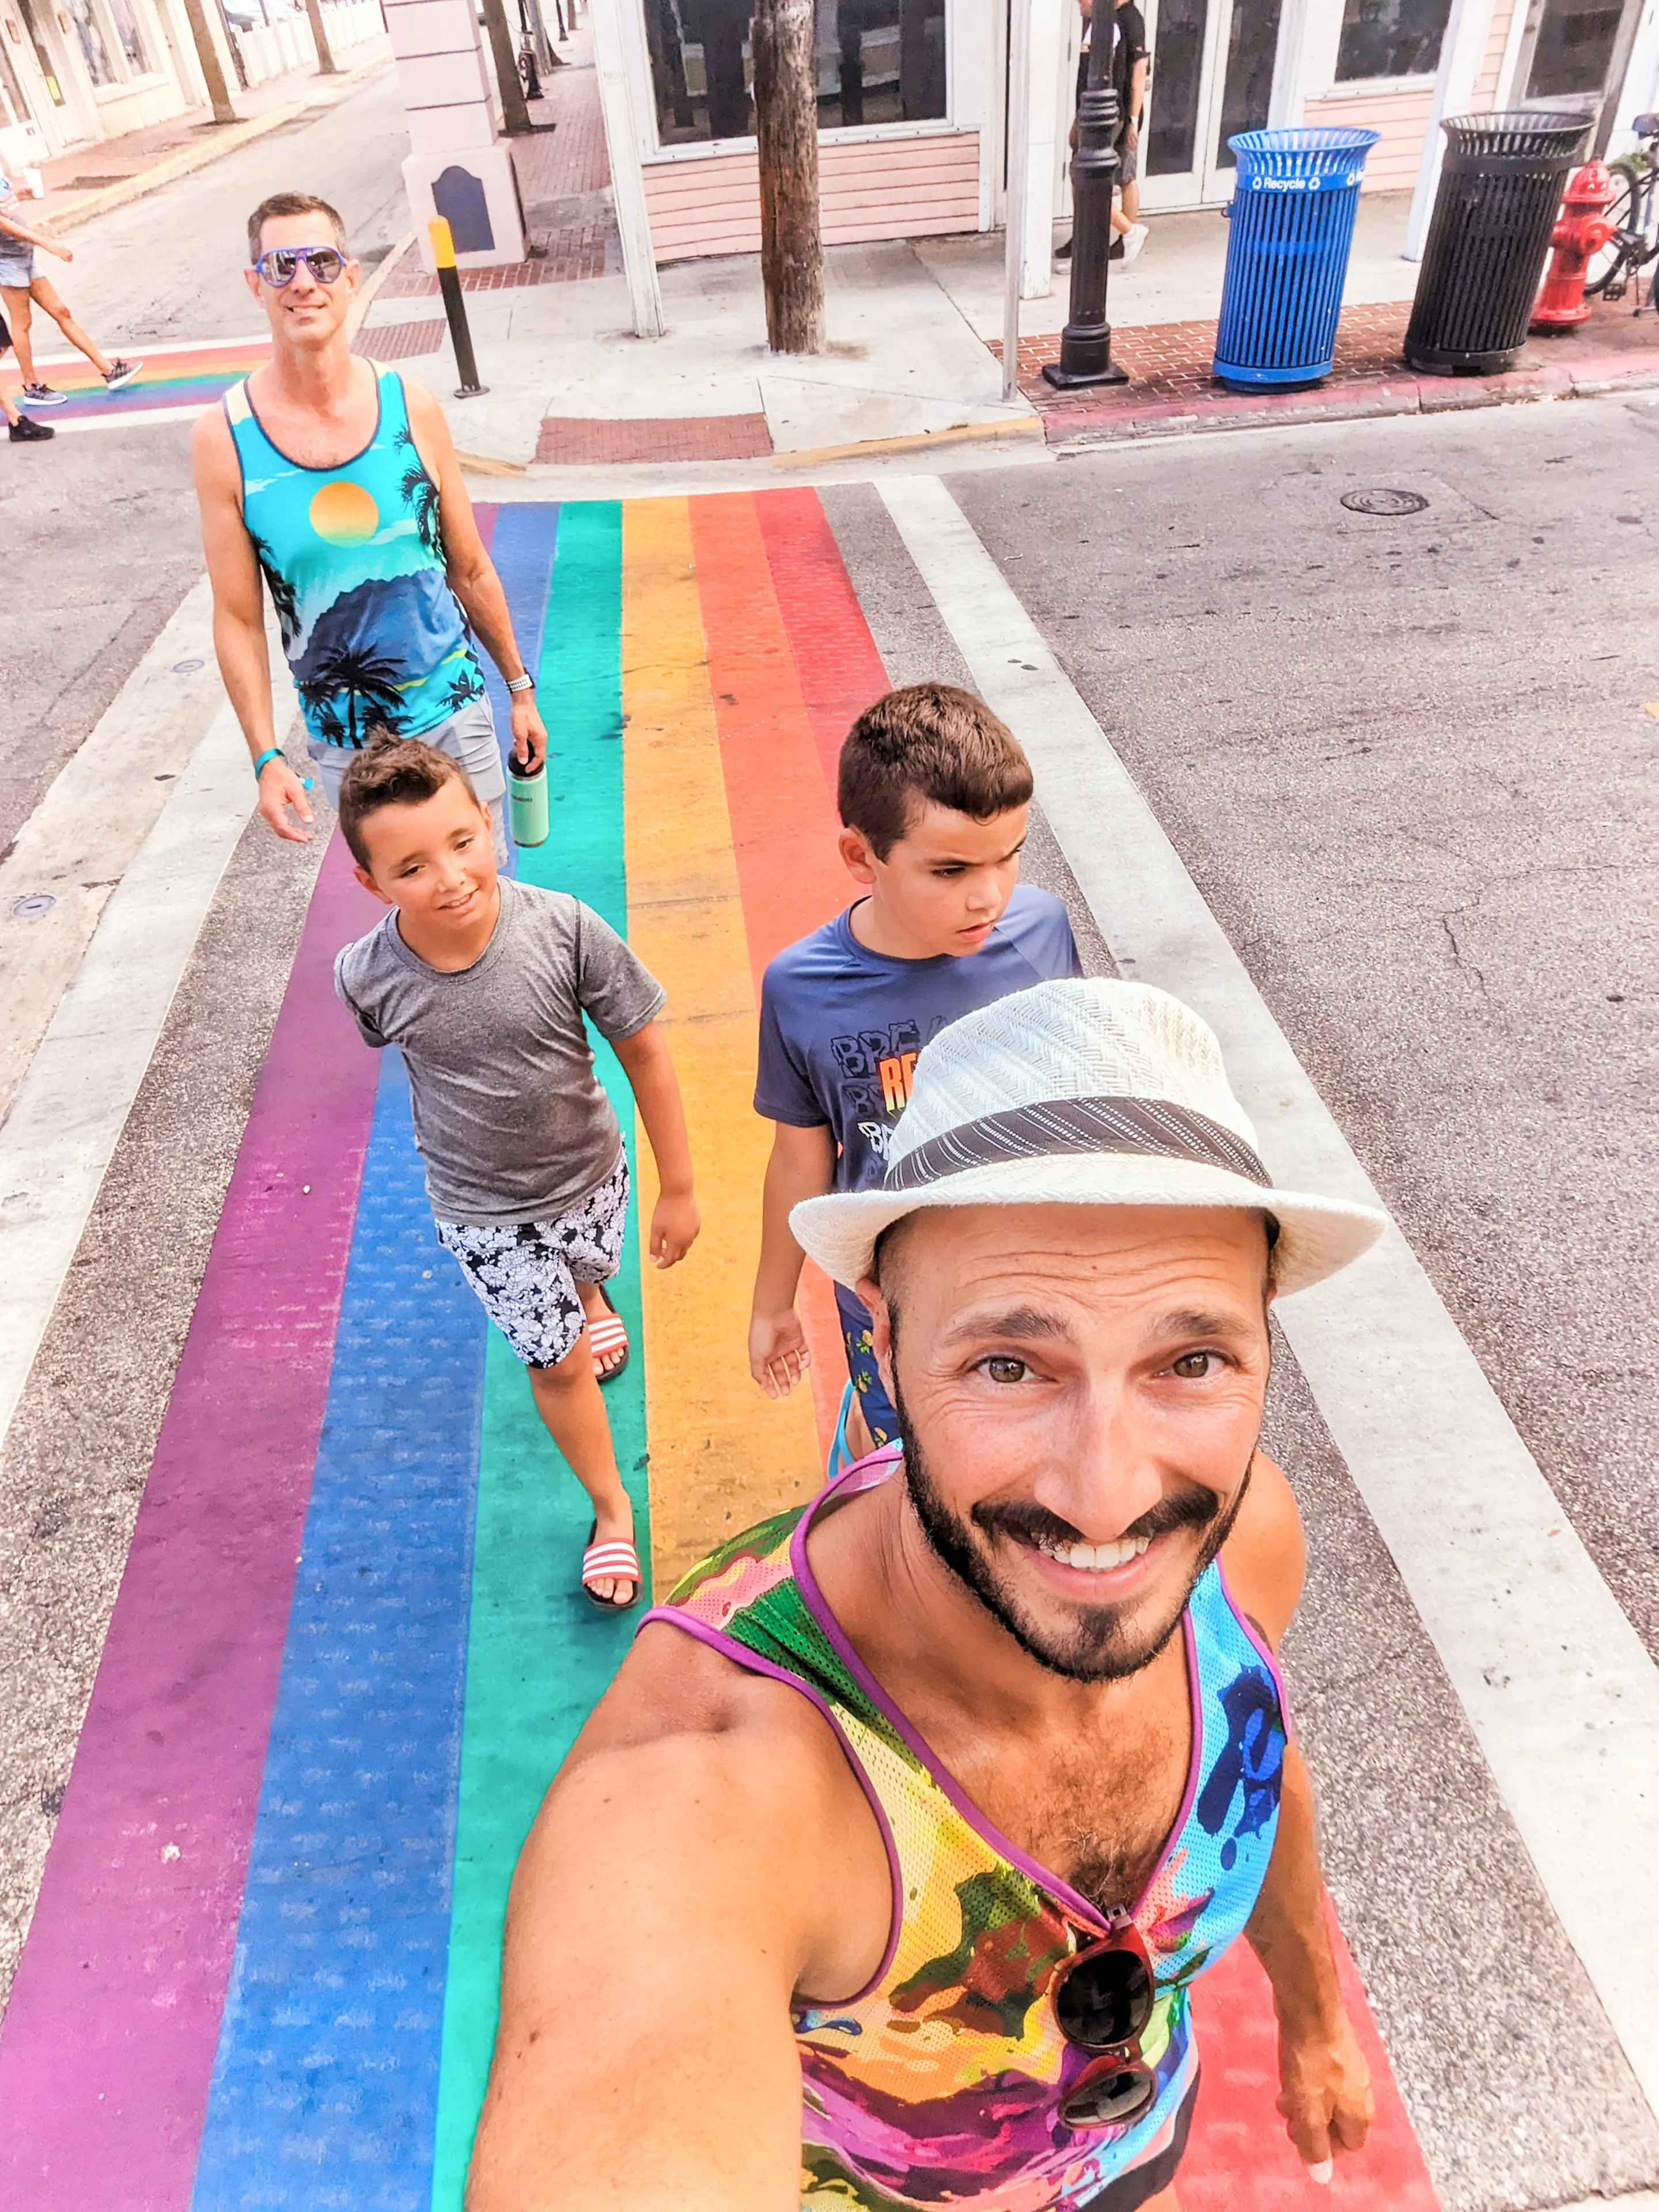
(270, 753)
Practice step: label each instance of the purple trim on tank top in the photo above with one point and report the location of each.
(741, 1655)
(1077, 1905)
(1264, 1650)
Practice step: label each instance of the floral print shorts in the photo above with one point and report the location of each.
(526, 1274)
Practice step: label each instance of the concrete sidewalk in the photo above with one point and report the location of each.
(913, 362)
(89, 181)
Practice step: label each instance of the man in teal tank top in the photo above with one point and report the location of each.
(337, 481)
(881, 1876)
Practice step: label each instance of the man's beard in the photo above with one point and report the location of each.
(1096, 1646)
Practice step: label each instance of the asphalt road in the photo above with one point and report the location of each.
(99, 528)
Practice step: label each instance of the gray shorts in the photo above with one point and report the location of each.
(468, 738)
(16, 265)
(1128, 162)
(526, 1274)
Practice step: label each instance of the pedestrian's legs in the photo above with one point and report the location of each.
(470, 738)
(15, 305)
(46, 294)
(568, 1400)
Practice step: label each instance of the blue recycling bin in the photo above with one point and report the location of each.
(1292, 213)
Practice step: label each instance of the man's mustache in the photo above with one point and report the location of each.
(1028, 1522)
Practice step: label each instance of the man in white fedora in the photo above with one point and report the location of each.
(881, 1876)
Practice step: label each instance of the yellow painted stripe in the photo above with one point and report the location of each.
(721, 1454)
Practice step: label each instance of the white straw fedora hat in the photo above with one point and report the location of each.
(1084, 1093)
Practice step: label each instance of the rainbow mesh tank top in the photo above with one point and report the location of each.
(941, 2083)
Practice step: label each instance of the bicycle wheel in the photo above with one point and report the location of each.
(1611, 261)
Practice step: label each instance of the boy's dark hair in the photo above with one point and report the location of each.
(928, 743)
(393, 772)
(283, 203)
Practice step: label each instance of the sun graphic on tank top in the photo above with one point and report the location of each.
(343, 514)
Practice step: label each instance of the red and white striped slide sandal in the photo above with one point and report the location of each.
(610, 1563)
(606, 1337)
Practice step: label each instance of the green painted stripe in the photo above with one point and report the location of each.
(538, 1655)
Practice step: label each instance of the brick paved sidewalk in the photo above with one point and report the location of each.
(1171, 386)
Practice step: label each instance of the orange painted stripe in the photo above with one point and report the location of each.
(783, 827)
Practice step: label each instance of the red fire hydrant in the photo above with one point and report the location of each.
(1582, 229)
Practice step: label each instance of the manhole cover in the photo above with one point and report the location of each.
(187, 667)
(31, 906)
(1384, 502)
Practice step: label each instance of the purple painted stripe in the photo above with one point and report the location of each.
(108, 2045)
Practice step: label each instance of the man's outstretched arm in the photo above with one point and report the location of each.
(646, 2059)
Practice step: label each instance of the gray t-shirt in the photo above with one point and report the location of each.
(509, 1117)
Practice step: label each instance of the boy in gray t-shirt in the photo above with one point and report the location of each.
(482, 982)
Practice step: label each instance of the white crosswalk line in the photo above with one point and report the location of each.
(1559, 1689)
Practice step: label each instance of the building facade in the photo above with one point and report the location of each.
(75, 72)
(912, 97)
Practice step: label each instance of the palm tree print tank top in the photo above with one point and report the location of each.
(353, 557)
(941, 2083)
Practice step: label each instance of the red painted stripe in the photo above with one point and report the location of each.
(783, 826)
(108, 2044)
(1239, 2158)
(839, 670)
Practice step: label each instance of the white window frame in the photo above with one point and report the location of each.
(968, 101)
(1325, 42)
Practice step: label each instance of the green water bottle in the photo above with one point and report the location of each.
(528, 801)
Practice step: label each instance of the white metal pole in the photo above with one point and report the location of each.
(1045, 126)
(1460, 57)
(1017, 156)
(621, 142)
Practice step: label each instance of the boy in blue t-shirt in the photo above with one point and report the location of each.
(933, 793)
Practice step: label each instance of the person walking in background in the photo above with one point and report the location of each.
(21, 291)
(482, 983)
(23, 428)
(1130, 67)
(338, 480)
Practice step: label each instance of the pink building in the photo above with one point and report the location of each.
(913, 95)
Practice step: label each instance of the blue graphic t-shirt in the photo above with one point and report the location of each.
(354, 558)
(840, 1027)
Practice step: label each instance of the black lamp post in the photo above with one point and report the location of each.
(1085, 345)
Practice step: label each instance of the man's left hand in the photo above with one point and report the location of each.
(1131, 137)
(1325, 2092)
(529, 733)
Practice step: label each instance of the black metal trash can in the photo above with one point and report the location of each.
(1500, 192)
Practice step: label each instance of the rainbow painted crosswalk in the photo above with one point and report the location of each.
(348, 1653)
(176, 380)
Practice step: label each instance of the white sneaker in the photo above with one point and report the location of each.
(1134, 239)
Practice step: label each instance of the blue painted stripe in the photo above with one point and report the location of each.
(521, 546)
(324, 2089)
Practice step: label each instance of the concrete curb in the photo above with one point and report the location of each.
(1018, 429)
(1594, 377)
(225, 141)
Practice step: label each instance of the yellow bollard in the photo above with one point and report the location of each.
(449, 284)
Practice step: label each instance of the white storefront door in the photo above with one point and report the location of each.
(1211, 75)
